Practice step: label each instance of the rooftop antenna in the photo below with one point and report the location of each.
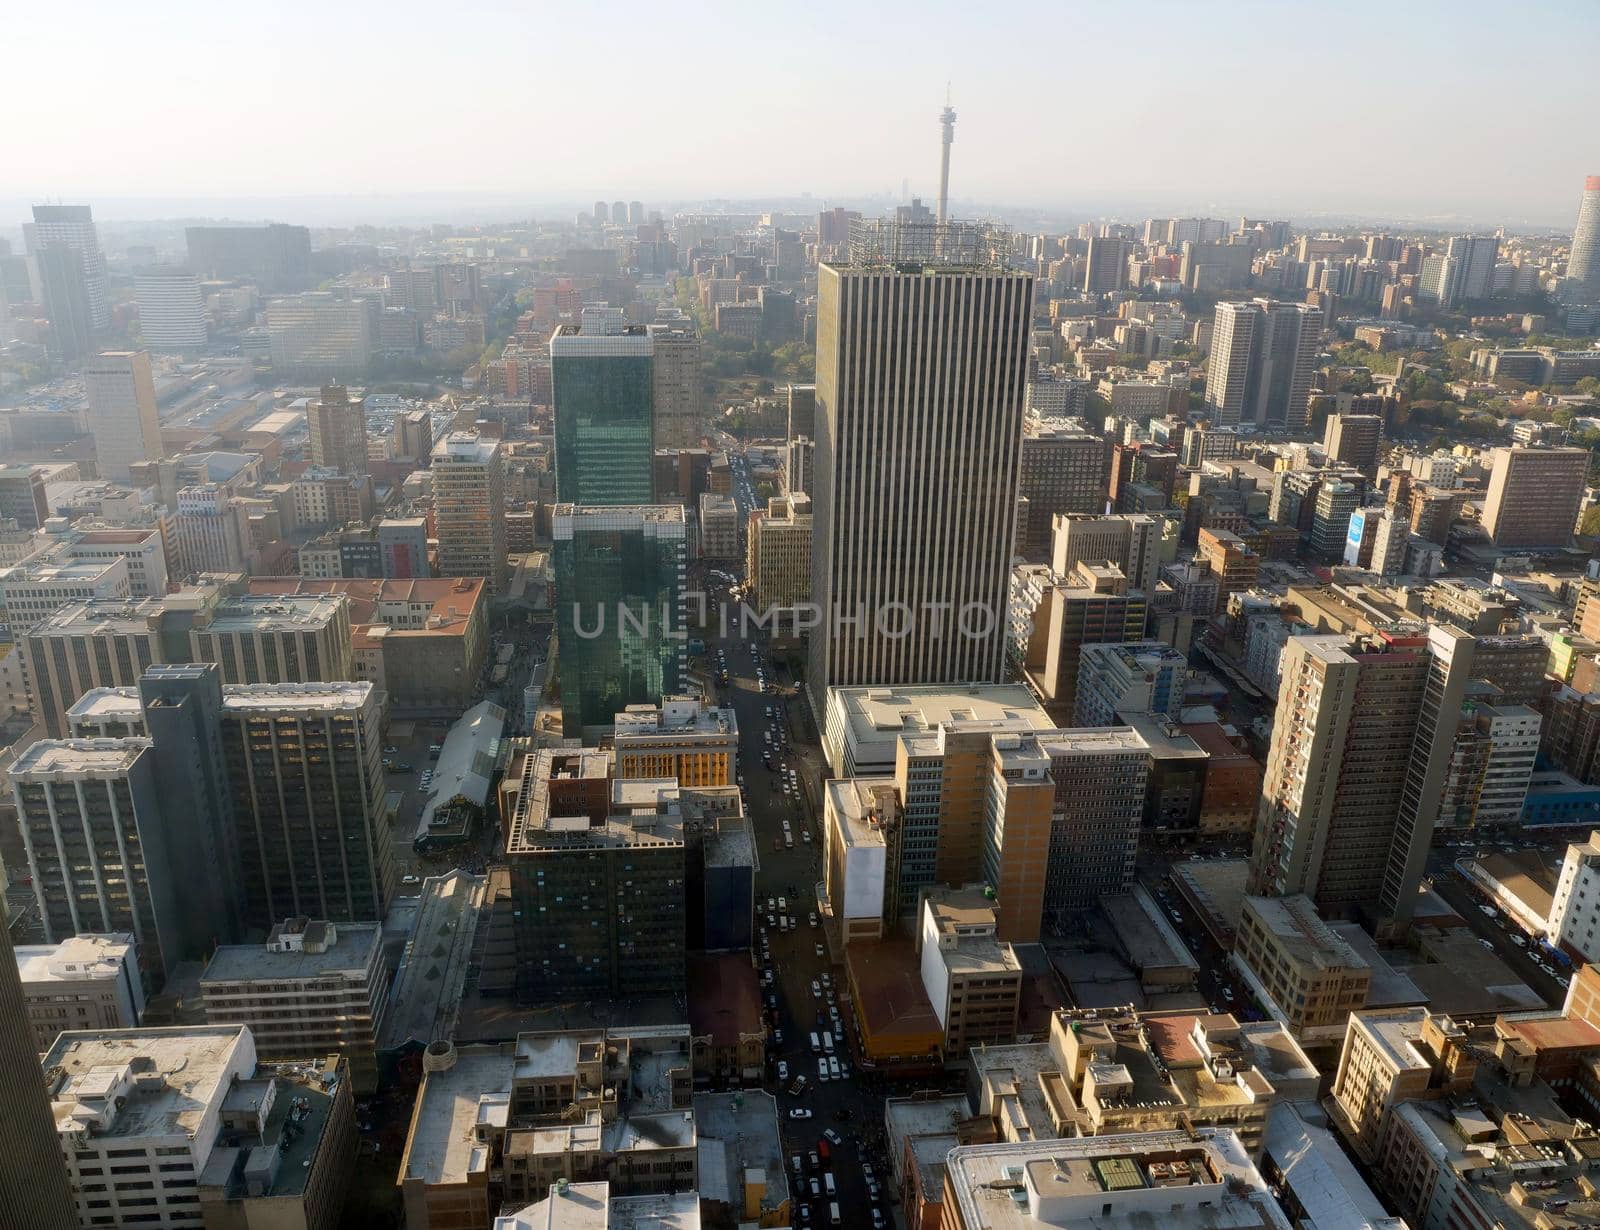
(947, 121)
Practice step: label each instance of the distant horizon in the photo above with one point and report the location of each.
(491, 208)
(1367, 111)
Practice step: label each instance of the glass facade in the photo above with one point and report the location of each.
(603, 413)
(619, 609)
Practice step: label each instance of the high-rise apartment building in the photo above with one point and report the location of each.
(1583, 264)
(122, 411)
(276, 257)
(1263, 355)
(338, 430)
(619, 588)
(1361, 751)
(1062, 471)
(603, 378)
(1534, 495)
(33, 1182)
(916, 468)
(1092, 604)
(599, 901)
(469, 507)
(676, 391)
(1106, 269)
(1131, 541)
(172, 312)
(1099, 779)
(72, 226)
(304, 767)
(1354, 440)
(1470, 261)
(778, 553)
(1140, 677)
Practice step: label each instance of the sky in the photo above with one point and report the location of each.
(1408, 109)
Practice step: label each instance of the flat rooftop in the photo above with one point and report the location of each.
(451, 1105)
(196, 1065)
(1325, 1182)
(876, 716)
(1142, 930)
(1298, 930)
(351, 953)
(79, 958)
(739, 1133)
(854, 800)
(52, 758)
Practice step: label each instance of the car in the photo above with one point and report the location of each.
(816, 990)
(816, 1188)
(1487, 910)
(798, 1085)
(772, 905)
(832, 1137)
(1519, 941)
(783, 1069)
(799, 1112)
(797, 1164)
(782, 903)
(411, 879)
(805, 836)
(812, 1158)
(391, 751)
(777, 1038)
(821, 951)
(812, 919)
(822, 1069)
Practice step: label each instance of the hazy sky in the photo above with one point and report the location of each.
(1413, 108)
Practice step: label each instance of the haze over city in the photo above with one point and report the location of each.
(1366, 110)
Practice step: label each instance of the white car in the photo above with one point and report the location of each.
(783, 1070)
(799, 1112)
(816, 990)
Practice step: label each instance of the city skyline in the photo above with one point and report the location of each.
(1020, 143)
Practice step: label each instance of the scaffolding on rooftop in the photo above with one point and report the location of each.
(921, 243)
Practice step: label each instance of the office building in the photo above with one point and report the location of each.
(1535, 495)
(676, 391)
(1583, 263)
(972, 978)
(66, 302)
(33, 1182)
(211, 531)
(802, 419)
(404, 544)
(276, 257)
(1189, 1181)
(42, 584)
(1313, 978)
(602, 376)
(1392, 1057)
(1094, 604)
(863, 725)
(304, 768)
(1231, 560)
(619, 587)
(1131, 541)
(719, 527)
(1063, 471)
(338, 431)
(314, 988)
(680, 738)
(599, 901)
(72, 227)
(469, 508)
(100, 849)
(321, 336)
(84, 982)
(172, 312)
(184, 1127)
(1263, 355)
(22, 497)
(916, 472)
(1354, 440)
(122, 411)
(1120, 680)
(1335, 504)
(778, 554)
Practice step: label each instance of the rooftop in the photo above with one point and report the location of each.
(465, 446)
(858, 801)
(52, 758)
(739, 1134)
(590, 1206)
(77, 959)
(1319, 1173)
(144, 1082)
(459, 1108)
(1298, 930)
(425, 1000)
(1206, 1180)
(875, 717)
(352, 953)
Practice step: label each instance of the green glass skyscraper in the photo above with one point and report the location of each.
(619, 609)
(602, 377)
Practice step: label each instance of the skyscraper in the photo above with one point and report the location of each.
(469, 507)
(675, 385)
(619, 573)
(1583, 265)
(122, 411)
(66, 301)
(602, 377)
(338, 431)
(73, 225)
(1534, 496)
(276, 257)
(1472, 259)
(1263, 355)
(172, 314)
(920, 379)
(33, 1182)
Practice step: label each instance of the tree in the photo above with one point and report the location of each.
(1590, 525)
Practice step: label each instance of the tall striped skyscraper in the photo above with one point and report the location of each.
(921, 367)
